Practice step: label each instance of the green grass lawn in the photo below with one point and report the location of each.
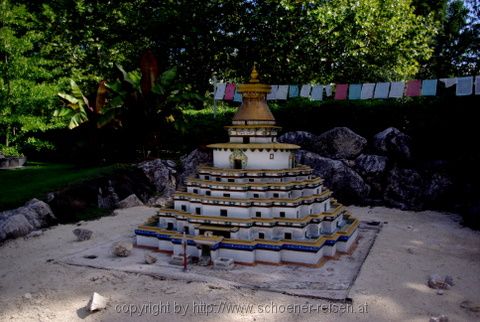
(36, 179)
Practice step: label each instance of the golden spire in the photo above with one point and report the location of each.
(254, 108)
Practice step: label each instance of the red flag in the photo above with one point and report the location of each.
(229, 92)
(341, 91)
(413, 88)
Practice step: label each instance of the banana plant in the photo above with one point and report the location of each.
(76, 106)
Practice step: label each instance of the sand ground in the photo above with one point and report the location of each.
(391, 285)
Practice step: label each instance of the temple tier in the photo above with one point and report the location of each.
(254, 204)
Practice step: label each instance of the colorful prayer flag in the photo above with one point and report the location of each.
(341, 91)
(464, 86)
(237, 97)
(429, 87)
(413, 87)
(317, 93)
(282, 92)
(449, 82)
(328, 90)
(381, 90)
(354, 91)
(367, 91)
(273, 93)
(396, 89)
(220, 92)
(293, 91)
(477, 85)
(229, 92)
(305, 91)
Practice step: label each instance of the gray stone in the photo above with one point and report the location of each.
(404, 189)
(441, 318)
(340, 143)
(82, 234)
(97, 302)
(371, 165)
(471, 306)
(27, 296)
(449, 280)
(435, 281)
(161, 173)
(107, 199)
(34, 234)
(122, 248)
(130, 201)
(150, 259)
(18, 222)
(393, 143)
(191, 161)
(346, 184)
(305, 139)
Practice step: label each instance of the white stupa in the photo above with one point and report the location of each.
(254, 204)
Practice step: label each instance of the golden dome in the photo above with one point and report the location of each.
(254, 108)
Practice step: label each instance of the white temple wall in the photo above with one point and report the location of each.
(301, 257)
(329, 250)
(238, 255)
(256, 159)
(232, 212)
(269, 256)
(345, 246)
(147, 241)
(165, 245)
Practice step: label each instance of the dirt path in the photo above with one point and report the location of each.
(391, 285)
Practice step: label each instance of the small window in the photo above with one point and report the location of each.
(226, 195)
(186, 230)
(318, 191)
(195, 191)
(288, 236)
(246, 139)
(251, 180)
(198, 210)
(231, 180)
(272, 156)
(207, 177)
(208, 193)
(258, 214)
(255, 195)
(170, 226)
(276, 195)
(282, 214)
(184, 208)
(223, 212)
(218, 179)
(261, 235)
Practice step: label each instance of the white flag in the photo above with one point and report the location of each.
(317, 93)
(367, 91)
(220, 92)
(305, 91)
(464, 86)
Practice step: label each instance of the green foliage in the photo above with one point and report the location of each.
(9, 151)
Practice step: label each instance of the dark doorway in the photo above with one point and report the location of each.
(246, 139)
(288, 235)
(170, 226)
(237, 164)
(205, 250)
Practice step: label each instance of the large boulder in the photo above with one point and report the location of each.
(161, 174)
(18, 222)
(340, 143)
(405, 189)
(191, 161)
(305, 139)
(129, 202)
(346, 184)
(373, 169)
(393, 143)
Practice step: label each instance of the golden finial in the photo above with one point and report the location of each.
(254, 75)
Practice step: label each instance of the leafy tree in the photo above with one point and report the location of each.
(27, 79)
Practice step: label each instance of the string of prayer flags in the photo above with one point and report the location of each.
(381, 90)
(396, 89)
(273, 93)
(293, 91)
(317, 93)
(477, 85)
(367, 91)
(341, 91)
(220, 91)
(429, 87)
(413, 88)
(354, 91)
(282, 92)
(464, 86)
(229, 92)
(305, 91)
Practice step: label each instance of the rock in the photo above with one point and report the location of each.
(440, 292)
(191, 161)
(340, 143)
(449, 280)
(371, 165)
(82, 234)
(27, 296)
(305, 139)
(441, 318)
(435, 281)
(129, 202)
(107, 199)
(393, 143)
(161, 174)
(404, 189)
(18, 222)
(437, 190)
(150, 259)
(471, 306)
(346, 184)
(122, 248)
(97, 302)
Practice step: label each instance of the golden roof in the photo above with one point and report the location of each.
(244, 146)
(254, 105)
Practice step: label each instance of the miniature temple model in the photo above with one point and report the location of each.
(254, 204)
